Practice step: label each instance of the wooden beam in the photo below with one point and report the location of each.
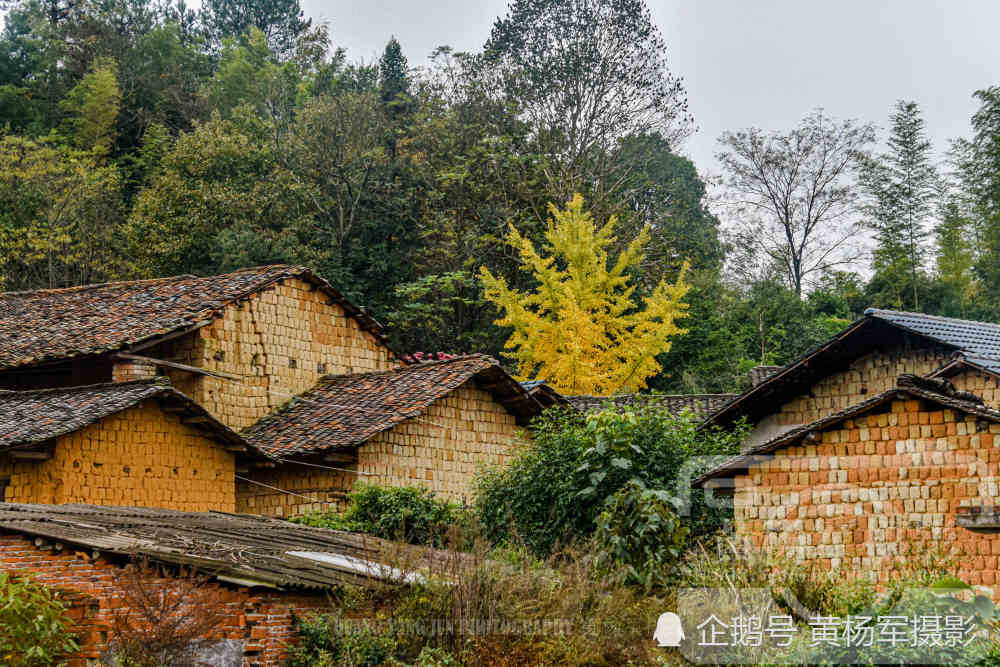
(22, 455)
(341, 458)
(180, 367)
(169, 336)
(197, 419)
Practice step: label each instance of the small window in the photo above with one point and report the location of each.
(292, 363)
(4, 483)
(220, 355)
(321, 367)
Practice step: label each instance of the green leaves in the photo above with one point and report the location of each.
(34, 631)
(556, 489)
(640, 532)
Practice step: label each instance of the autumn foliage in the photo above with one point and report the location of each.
(584, 329)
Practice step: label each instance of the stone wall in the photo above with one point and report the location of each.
(260, 623)
(278, 342)
(441, 450)
(866, 376)
(875, 487)
(141, 457)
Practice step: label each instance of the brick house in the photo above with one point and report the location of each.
(164, 406)
(239, 347)
(878, 441)
(432, 424)
(261, 572)
(137, 443)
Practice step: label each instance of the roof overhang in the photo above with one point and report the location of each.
(909, 386)
(860, 337)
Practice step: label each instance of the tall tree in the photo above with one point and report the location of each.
(954, 255)
(584, 73)
(978, 162)
(393, 73)
(793, 197)
(281, 21)
(93, 105)
(582, 329)
(902, 186)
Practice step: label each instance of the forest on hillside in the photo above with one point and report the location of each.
(141, 138)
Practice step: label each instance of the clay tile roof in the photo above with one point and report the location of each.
(29, 418)
(675, 404)
(937, 391)
(346, 410)
(239, 549)
(979, 342)
(45, 325)
(977, 338)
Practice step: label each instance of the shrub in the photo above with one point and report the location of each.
(411, 514)
(330, 641)
(164, 625)
(34, 629)
(640, 532)
(556, 488)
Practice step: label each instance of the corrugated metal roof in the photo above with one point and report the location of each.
(230, 547)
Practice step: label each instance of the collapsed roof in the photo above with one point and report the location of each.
(238, 549)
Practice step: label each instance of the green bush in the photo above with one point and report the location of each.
(554, 491)
(640, 532)
(34, 629)
(410, 514)
(326, 641)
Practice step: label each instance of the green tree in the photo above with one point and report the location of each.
(584, 74)
(954, 256)
(978, 162)
(902, 187)
(60, 216)
(662, 192)
(93, 105)
(393, 73)
(217, 201)
(281, 21)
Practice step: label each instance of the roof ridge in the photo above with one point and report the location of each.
(943, 318)
(914, 385)
(407, 367)
(149, 281)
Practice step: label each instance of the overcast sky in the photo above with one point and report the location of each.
(762, 63)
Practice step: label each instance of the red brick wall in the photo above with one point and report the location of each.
(875, 487)
(262, 619)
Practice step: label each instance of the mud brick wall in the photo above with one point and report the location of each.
(876, 487)
(981, 384)
(279, 341)
(140, 457)
(262, 621)
(441, 450)
(865, 377)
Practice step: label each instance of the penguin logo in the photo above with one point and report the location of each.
(669, 631)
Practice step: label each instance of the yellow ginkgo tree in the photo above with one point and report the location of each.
(583, 329)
